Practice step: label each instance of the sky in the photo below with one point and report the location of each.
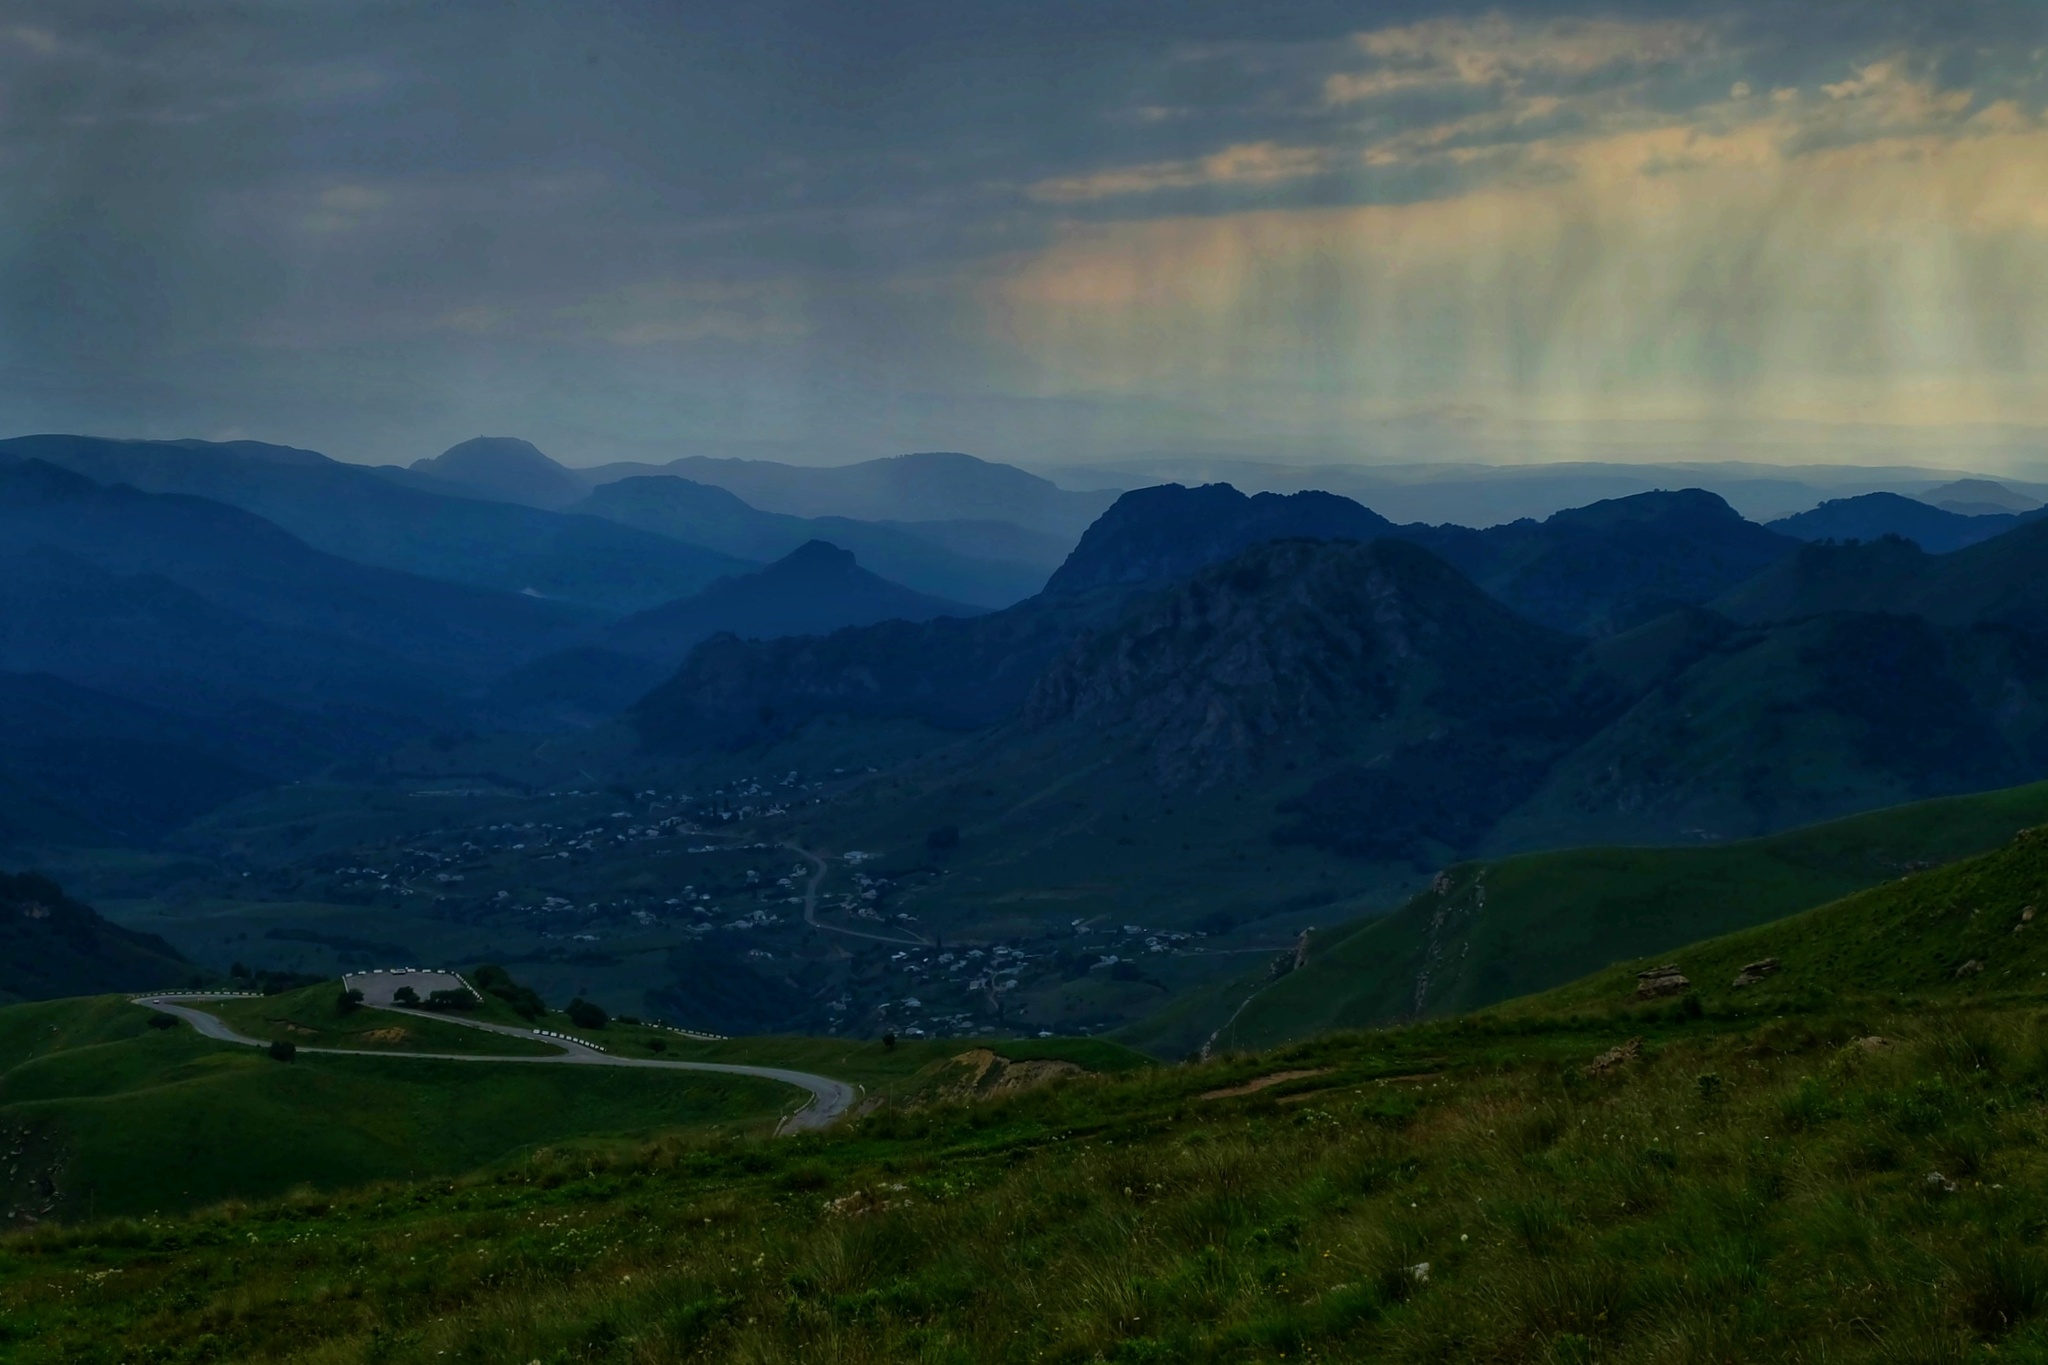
(1046, 231)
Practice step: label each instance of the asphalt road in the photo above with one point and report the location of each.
(829, 1098)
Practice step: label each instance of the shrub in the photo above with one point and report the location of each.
(406, 995)
(163, 1021)
(524, 1000)
(349, 1002)
(283, 1050)
(451, 1000)
(583, 1014)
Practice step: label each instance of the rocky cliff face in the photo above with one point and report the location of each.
(1313, 648)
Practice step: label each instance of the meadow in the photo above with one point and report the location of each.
(1840, 1160)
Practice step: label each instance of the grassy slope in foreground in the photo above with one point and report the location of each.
(134, 1119)
(1491, 931)
(1759, 1184)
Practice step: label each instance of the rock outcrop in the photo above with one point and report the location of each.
(1659, 982)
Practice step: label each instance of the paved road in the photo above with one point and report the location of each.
(829, 1098)
(811, 906)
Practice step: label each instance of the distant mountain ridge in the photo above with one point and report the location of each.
(1979, 497)
(1591, 570)
(719, 520)
(161, 654)
(1876, 515)
(507, 469)
(381, 519)
(1829, 680)
(1593, 567)
(933, 486)
(814, 590)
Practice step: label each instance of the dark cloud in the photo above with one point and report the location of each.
(376, 226)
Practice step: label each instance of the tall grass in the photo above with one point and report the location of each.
(1822, 1201)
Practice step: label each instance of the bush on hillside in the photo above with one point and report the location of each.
(496, 981)
(583, 1014)
(348, 1002)
(283, 1050)
(457, 999)
(405, 995)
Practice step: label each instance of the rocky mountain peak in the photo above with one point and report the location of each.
(1290, 643)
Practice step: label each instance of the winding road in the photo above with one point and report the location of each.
(829, 1098)
(811, 906)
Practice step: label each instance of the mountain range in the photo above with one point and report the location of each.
(1359, 694)
(917, 555)
(1873, 516)
(1648, 667)
(373, 518)
(929, 487)
(814, 590)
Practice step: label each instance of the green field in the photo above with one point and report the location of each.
(1843, 1162)
(1486, 932)
(128, 1119)
(312, 1018)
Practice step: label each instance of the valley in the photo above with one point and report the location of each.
(790, 944)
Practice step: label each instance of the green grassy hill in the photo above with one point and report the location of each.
(1485, 932)
(121, 1117)
(312, 1017)
(1842, 1162)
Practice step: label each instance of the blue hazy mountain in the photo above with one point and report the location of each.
(716, 519)
(85, 767)
(398, 520)
(1612, 565)
(506, 469)
(934, 486)
(815, 590)
(1876, 515)
(196, 607)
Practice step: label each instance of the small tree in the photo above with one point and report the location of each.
(584, 1014)
(348, 1002)
(888, 1040)
(283, 1050)
(163, 1021)
(406, 995)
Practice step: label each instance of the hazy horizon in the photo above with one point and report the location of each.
(1315, 233)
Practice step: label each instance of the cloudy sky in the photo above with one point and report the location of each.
(1044, 230)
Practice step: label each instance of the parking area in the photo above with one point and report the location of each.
(379, 987)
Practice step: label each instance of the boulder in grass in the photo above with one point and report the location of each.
(1757, 971)
(1615, 1057)
(1659, 982)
